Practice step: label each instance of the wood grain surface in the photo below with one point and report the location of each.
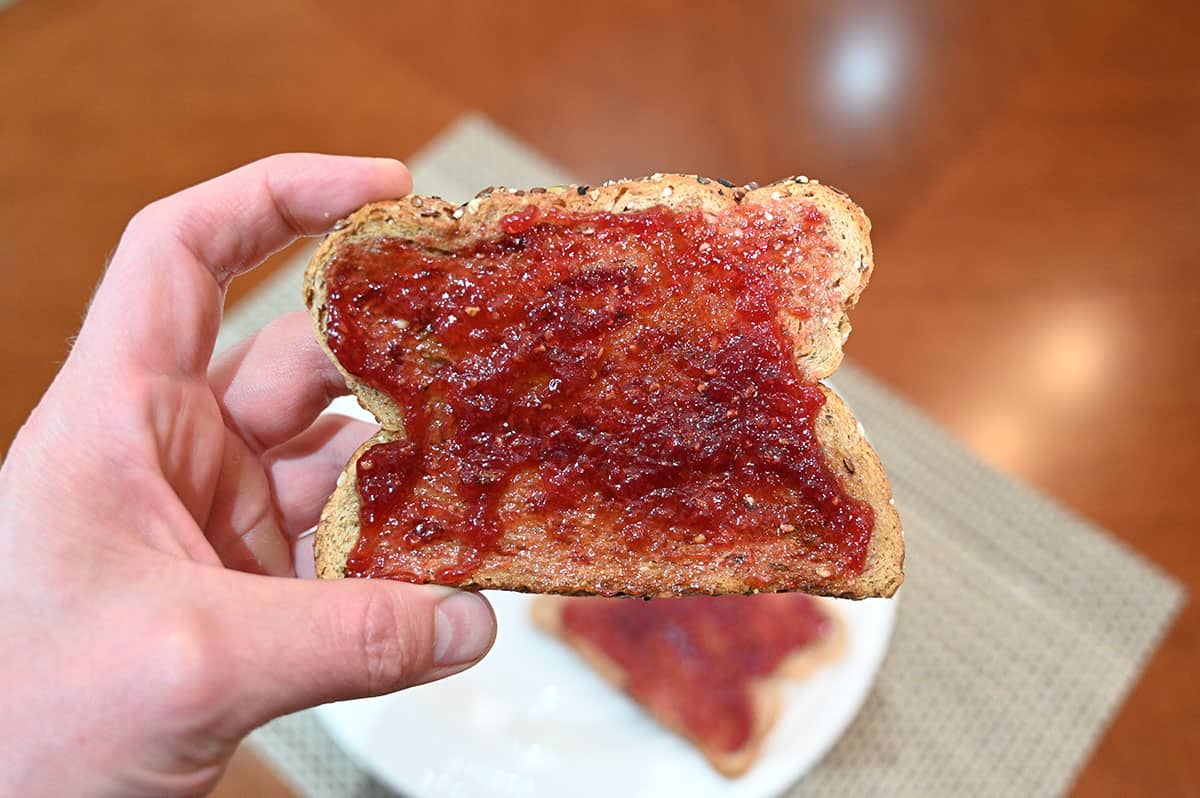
(1032, 169)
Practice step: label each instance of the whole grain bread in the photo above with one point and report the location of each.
(529, 560)
(765, 698)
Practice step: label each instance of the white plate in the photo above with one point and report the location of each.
(533, 720)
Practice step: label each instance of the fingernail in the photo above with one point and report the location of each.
(463, 629)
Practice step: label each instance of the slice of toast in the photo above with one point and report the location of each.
(691, 662)
(572, 254)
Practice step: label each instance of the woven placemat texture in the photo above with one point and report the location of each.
(1010, 654)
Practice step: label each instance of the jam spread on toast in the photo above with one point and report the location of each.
(694, 661)
(614, 371)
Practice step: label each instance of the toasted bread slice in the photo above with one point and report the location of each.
(650, 631)
(532, 552)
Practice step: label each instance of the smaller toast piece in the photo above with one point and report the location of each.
(707, 668)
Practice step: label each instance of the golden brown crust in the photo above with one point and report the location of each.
(547, 615)
(337, 531)
(529, 561)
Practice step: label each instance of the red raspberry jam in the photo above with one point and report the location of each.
(693, 661)
(605, 371)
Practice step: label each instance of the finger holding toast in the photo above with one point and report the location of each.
(151, 504)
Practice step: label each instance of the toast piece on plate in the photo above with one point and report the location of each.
(605, 390)
(707, 668)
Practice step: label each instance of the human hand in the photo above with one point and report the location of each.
(151, 504)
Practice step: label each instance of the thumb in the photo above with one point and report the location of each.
(300, 643)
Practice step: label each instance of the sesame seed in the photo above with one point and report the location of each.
(471, 311)
(340, 224)
(801, 179)
(656, 176)
(776, 195)
(786, 528)
(473, 206)
(704, 181)
(666, 192)
(770, 217)
(705, 247)
(594, 194)
(417, 202)
(458, 213)
(581, 190)
(753, 184)
(748, 500)
(699, 538)
(724, 182)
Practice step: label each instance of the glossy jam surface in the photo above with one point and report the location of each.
(619, 371)
(692, 661)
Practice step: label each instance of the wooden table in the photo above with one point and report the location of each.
(1033, 172)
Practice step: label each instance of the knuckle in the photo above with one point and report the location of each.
(149, 219)
(386, 643)
(277, 160)
(179, 220)
(187, 678)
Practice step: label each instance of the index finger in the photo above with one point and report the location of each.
(159, 305)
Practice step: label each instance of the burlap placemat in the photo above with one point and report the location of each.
(1009, 656)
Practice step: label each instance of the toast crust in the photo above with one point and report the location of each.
(528, 562)
(765, 694)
